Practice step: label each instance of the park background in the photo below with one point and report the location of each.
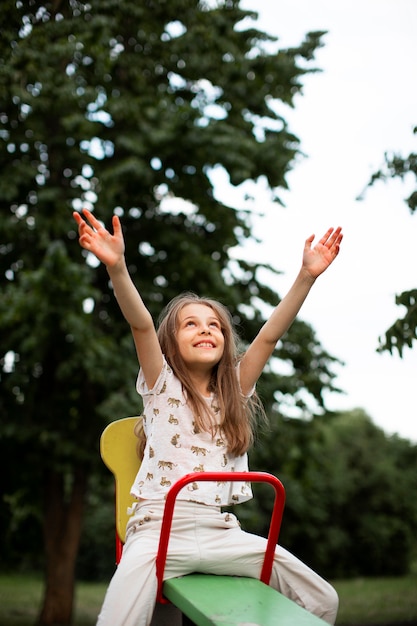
(348, 461)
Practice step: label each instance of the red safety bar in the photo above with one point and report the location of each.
(119, 548)
(274, 527)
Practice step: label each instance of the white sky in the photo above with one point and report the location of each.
(362, 104)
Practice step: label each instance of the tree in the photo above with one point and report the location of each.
(128, 107)
(348, 488)
(404, 330)
(367, 500)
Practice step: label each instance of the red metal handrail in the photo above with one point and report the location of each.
(274, 527)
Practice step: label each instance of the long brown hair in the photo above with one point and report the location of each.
(237, 413)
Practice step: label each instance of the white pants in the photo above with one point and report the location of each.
(205, 540)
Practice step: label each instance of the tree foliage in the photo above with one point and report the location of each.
(128, 107)
(349, 509)
(403, 331)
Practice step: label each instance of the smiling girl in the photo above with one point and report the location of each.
(199, 414)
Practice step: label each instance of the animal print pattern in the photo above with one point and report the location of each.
(174, 447)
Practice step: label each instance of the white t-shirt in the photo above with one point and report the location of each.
(174, 449)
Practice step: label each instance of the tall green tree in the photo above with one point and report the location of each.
(126, 107)
(349, 510)
(403, 331)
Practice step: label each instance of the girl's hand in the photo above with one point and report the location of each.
(316, 260)
(109, 249)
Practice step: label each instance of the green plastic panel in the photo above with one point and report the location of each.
(234, 601)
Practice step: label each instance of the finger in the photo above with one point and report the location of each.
(77, 217)
(117, 227)
(338, 242)
(336, 238)
(336, 232)
(81, 222)
(83, 227)
(308, 242)
(334, 246)
(91, 219)
(85, 241)
(332, 237)
(326, 236)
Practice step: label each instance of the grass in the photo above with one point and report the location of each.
(21, 596)
(363, 602)
(378, 601)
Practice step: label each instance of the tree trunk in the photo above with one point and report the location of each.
(62, 530)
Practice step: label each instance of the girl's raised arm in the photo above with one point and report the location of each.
(315, 261)
(109, 249)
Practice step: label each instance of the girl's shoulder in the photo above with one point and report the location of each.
(164, 383)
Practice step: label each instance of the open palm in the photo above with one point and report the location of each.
(96, 239)
(316, 260)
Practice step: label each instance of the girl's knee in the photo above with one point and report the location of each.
(329, 604)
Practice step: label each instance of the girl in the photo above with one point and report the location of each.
(199, 406)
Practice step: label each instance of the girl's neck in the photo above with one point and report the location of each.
(201, 383)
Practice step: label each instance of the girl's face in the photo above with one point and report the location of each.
(199, 336)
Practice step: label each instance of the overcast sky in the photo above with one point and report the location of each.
(363, 104)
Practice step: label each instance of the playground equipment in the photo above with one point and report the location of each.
(201, 599)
